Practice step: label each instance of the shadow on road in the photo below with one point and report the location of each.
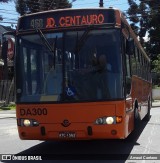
(97, 150)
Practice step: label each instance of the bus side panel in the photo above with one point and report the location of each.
(141, 90)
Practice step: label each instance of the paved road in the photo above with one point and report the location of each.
(7, 114)
(145, 141)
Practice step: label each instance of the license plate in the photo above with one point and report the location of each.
(67, 134)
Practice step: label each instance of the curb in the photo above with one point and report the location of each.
(154, 106)
(156, 103)
(7, 114)
(6, 117)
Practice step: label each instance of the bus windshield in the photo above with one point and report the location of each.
(79, 65)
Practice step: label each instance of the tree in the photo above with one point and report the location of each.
(156, 71)
(147, 16)
(32, 6)
(138, 16)
(154, 29)
(21, 6)
(133, 15)
(156, 64)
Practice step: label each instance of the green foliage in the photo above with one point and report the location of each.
(137, 15)
(145, 18)
(155, 87)
(20, 6)
(32, 6)
(8, 107)
(156, 64)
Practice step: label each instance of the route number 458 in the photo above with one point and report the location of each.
(36, 23)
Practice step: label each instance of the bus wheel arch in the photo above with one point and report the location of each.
(136, 121)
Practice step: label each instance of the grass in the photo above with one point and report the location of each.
(156, 87)
(8, 107)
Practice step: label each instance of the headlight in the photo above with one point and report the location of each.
(109, 120)
(99, 121)
(27, 122)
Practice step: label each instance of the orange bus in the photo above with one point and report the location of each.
(80, 74)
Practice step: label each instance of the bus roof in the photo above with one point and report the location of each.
(69, 9)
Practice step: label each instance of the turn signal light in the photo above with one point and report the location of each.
(108, 120)
(118, 119)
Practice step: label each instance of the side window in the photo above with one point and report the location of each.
(145, 69)
(134, 63)
(142, 65)
(30, 68)
(128, 67)
(139, 63)
(128, 71)
(149, 72)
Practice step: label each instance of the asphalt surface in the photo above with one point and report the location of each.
(7, 114)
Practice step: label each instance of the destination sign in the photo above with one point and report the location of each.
(76, 20)
(67, 18)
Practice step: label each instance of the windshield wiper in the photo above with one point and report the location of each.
(48, 45)
(81, 41)
(54, 52)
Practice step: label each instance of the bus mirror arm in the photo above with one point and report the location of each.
(129, 42)
(13, 33)
(130, 46)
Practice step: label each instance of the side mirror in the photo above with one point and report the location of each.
(7, 52)
(8, 42)
(130, 46)
(4, 49)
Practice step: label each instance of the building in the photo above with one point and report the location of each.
(10, 53)
(4, 29)
(6, 67)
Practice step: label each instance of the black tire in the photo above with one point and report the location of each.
(133, 136)
(147, 117)
(136, 118)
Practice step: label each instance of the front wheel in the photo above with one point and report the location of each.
(147, 117)
(136, 118)
(133, 136)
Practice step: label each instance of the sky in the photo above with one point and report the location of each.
(10, 16)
